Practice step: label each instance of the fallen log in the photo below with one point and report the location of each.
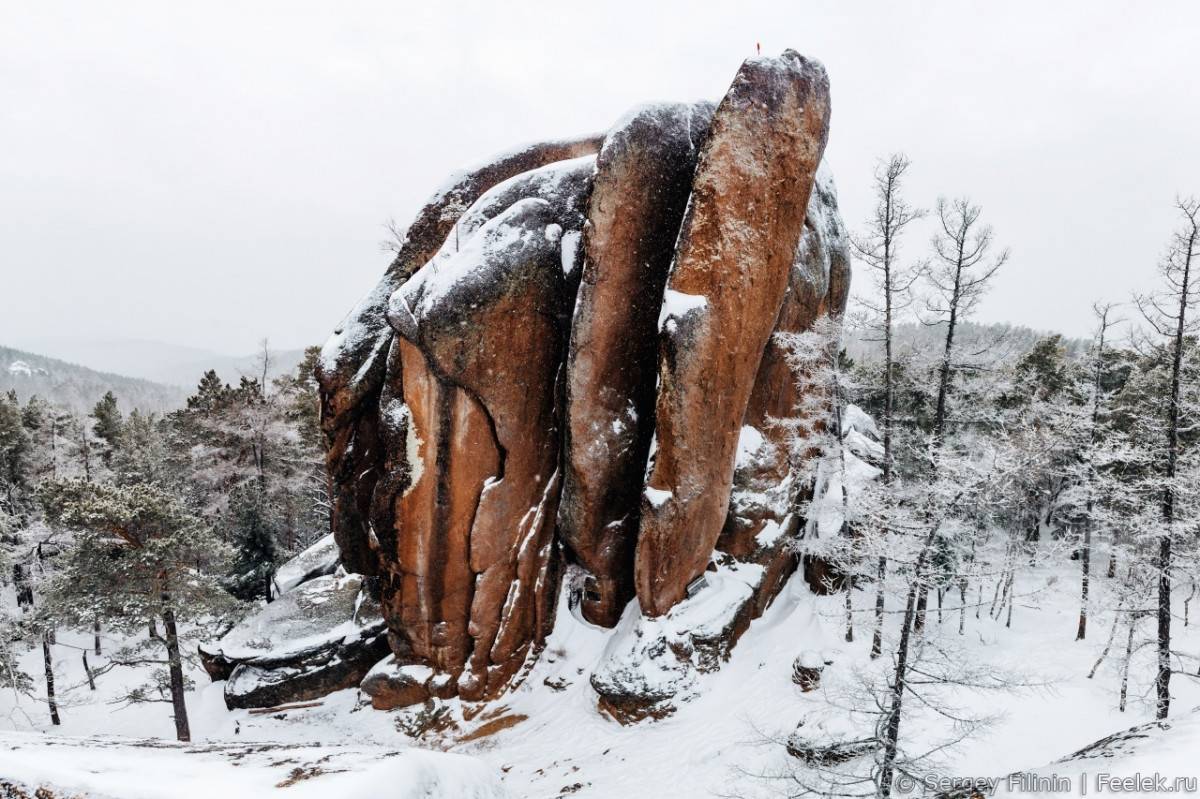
(263, 711)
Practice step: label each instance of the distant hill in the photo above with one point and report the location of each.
(170, 364)
(78, 387)
(996, 341)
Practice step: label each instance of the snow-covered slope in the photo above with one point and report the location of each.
(111, 768)
(547, 736)
(1151, 759)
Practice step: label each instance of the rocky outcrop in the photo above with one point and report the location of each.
(392, 684)
(489, 316)
(321, 636)
(571, 361)
(643, 180)
(318, 560)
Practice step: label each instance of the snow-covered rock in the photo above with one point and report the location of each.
(322, 636)
(317, 561)
(652, 662)
(392, 684)
(573, 366)
(1149, 760)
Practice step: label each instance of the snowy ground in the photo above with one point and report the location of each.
(547, 739)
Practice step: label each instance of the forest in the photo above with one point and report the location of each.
(162, 527)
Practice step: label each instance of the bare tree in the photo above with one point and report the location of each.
(962, 267)
(879, 248)
(1104, 322)
(1167, 313)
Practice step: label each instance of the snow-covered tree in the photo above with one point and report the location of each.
(879, 248)
(138, 558)
(1171, 316)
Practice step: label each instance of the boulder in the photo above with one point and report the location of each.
(322, 636)
(392, 684)
(731, 272)
(318, 560)
(652, 663)
(643, 179)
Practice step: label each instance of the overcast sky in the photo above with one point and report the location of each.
(208, 174)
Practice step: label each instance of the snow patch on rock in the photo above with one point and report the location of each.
(676, 306)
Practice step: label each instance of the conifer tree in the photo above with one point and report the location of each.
(107, 425)
(139, 558)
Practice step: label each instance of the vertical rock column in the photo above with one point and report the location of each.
(819, 283)
(722, 299)
(484, 331)
(643, 179)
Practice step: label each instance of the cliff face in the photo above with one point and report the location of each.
(570, 364)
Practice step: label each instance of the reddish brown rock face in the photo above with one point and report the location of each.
(723, 296)
(492, 405)
(643, 179)
(449, 452)
(488, 315)
(352, 366)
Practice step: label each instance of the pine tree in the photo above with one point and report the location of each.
(254, 540)
(139, 557)
(107, 426)
(15, 452)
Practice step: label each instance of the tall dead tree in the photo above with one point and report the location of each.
(1104, 321)
(879, 248)
(1169, 313)
(962, 266)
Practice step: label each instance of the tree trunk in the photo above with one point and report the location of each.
(1187, 603)
(50, 698)
(1086, 558)
(96, 635)
(1125, 664)
(877, 636)
(922, 603)
(849, 613)
(1162, 682)
(175, 663)
(962, 611)
(88, 671)
(1112, 636)
(891, 729)
(1086, 554)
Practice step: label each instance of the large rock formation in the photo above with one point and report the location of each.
(571, 362)
(352, 366)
